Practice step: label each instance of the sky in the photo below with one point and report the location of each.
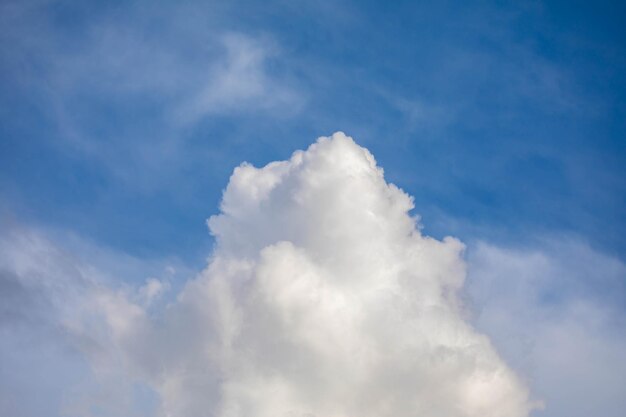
(501, 124)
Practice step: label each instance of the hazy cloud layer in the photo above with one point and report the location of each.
(556, 312)
(62, 320)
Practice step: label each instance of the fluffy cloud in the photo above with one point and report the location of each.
(321, 299)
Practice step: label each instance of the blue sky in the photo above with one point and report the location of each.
(502, 120)
(121, 122)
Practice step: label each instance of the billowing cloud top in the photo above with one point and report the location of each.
(323, 299)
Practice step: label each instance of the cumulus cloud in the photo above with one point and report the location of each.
(321, 299)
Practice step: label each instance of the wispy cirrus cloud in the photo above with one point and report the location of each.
(99, 76)
(241, 82)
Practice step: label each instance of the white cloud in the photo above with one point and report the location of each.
(321, 299)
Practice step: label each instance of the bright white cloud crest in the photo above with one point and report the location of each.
(321, 299)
